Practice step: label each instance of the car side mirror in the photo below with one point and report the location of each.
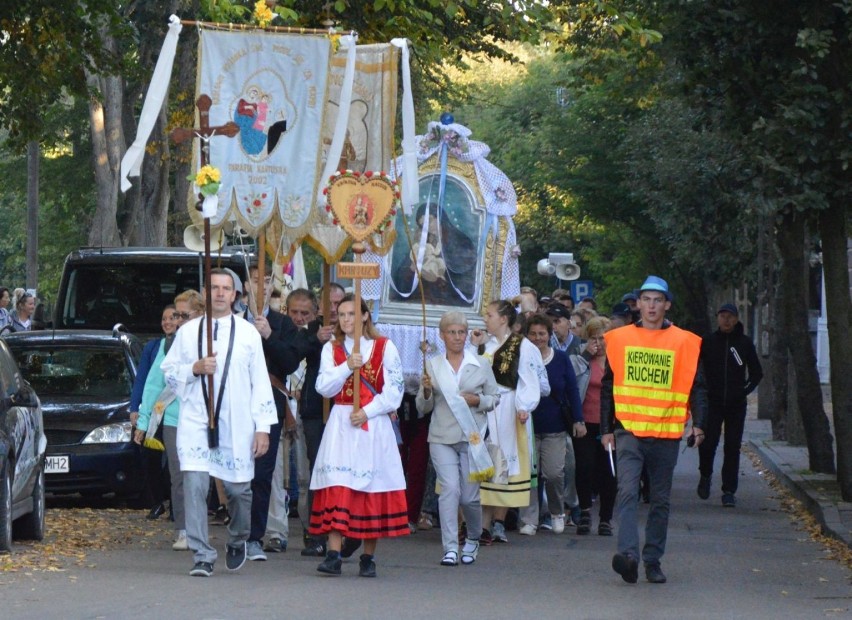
(24, 397)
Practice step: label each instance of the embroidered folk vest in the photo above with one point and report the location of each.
(371, 371)
(653, 371)
(506, 362)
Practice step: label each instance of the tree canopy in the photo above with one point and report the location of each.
(47, 48)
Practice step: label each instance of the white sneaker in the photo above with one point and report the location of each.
(527, 530)
(180, 543)
(558, 524)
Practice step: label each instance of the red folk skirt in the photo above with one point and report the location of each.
(358, 514)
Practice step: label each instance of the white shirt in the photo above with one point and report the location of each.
(247, 404)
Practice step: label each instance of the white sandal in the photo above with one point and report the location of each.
(469, 551)
(451, 558)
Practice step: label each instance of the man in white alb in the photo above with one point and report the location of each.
(244, 408)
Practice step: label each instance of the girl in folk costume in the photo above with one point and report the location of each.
(358, 482)
(522, 378)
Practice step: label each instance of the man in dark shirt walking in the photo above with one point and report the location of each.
(732, 370)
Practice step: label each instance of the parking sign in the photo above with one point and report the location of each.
(582, 288)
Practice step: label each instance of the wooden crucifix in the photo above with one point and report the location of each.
(205, 133)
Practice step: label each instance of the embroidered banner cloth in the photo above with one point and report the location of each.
(273, 86)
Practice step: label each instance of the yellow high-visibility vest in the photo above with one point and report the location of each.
(653, 371)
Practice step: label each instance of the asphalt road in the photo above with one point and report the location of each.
(754, 561)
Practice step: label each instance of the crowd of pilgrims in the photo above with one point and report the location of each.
(502, 435)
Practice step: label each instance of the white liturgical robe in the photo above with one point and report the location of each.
(247, 404)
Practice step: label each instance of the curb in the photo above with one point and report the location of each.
(827, 513)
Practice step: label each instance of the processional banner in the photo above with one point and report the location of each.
(369, 130)
(274, 87)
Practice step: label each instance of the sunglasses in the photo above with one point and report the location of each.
(180, 315)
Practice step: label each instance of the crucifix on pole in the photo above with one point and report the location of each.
(205, 133)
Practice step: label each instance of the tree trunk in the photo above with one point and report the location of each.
(184, 98)
(835, 261)
(794, 430)
(33, 155)
(774, 389)
(771, 346)
(791, 244)
(147, 221)
(107, 147)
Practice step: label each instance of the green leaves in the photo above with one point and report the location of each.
(48, 48)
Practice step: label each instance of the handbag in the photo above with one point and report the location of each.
(501, 464)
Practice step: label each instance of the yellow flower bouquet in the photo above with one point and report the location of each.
(263, 14)
(207, 180)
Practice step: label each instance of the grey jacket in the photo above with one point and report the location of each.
(474, 379)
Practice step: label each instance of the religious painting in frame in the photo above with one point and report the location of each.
(445, 243)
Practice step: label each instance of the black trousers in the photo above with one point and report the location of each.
(261, 485)
(313, 429)
(594, 472)
(732, 417)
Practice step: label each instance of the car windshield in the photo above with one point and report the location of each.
(99, 296)
(75, 371)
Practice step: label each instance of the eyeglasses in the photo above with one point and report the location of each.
(455, 332)
(180, 315)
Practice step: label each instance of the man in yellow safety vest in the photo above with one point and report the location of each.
(651, 385)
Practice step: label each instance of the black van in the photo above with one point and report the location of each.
(104, 286)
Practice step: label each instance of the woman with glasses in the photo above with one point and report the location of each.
(458, 388)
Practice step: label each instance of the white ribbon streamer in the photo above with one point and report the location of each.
(131, 163)
(342, 124)
(410, 187)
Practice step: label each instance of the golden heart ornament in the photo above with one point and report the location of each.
(362, 203)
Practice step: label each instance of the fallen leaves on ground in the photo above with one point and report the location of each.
(802, 518)
(73, 532)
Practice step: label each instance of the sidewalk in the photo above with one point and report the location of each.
(818, 492)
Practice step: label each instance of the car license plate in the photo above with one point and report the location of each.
(60, 464)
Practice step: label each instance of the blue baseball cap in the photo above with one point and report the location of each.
(654, 283)
(631, 296)
(728, 308)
